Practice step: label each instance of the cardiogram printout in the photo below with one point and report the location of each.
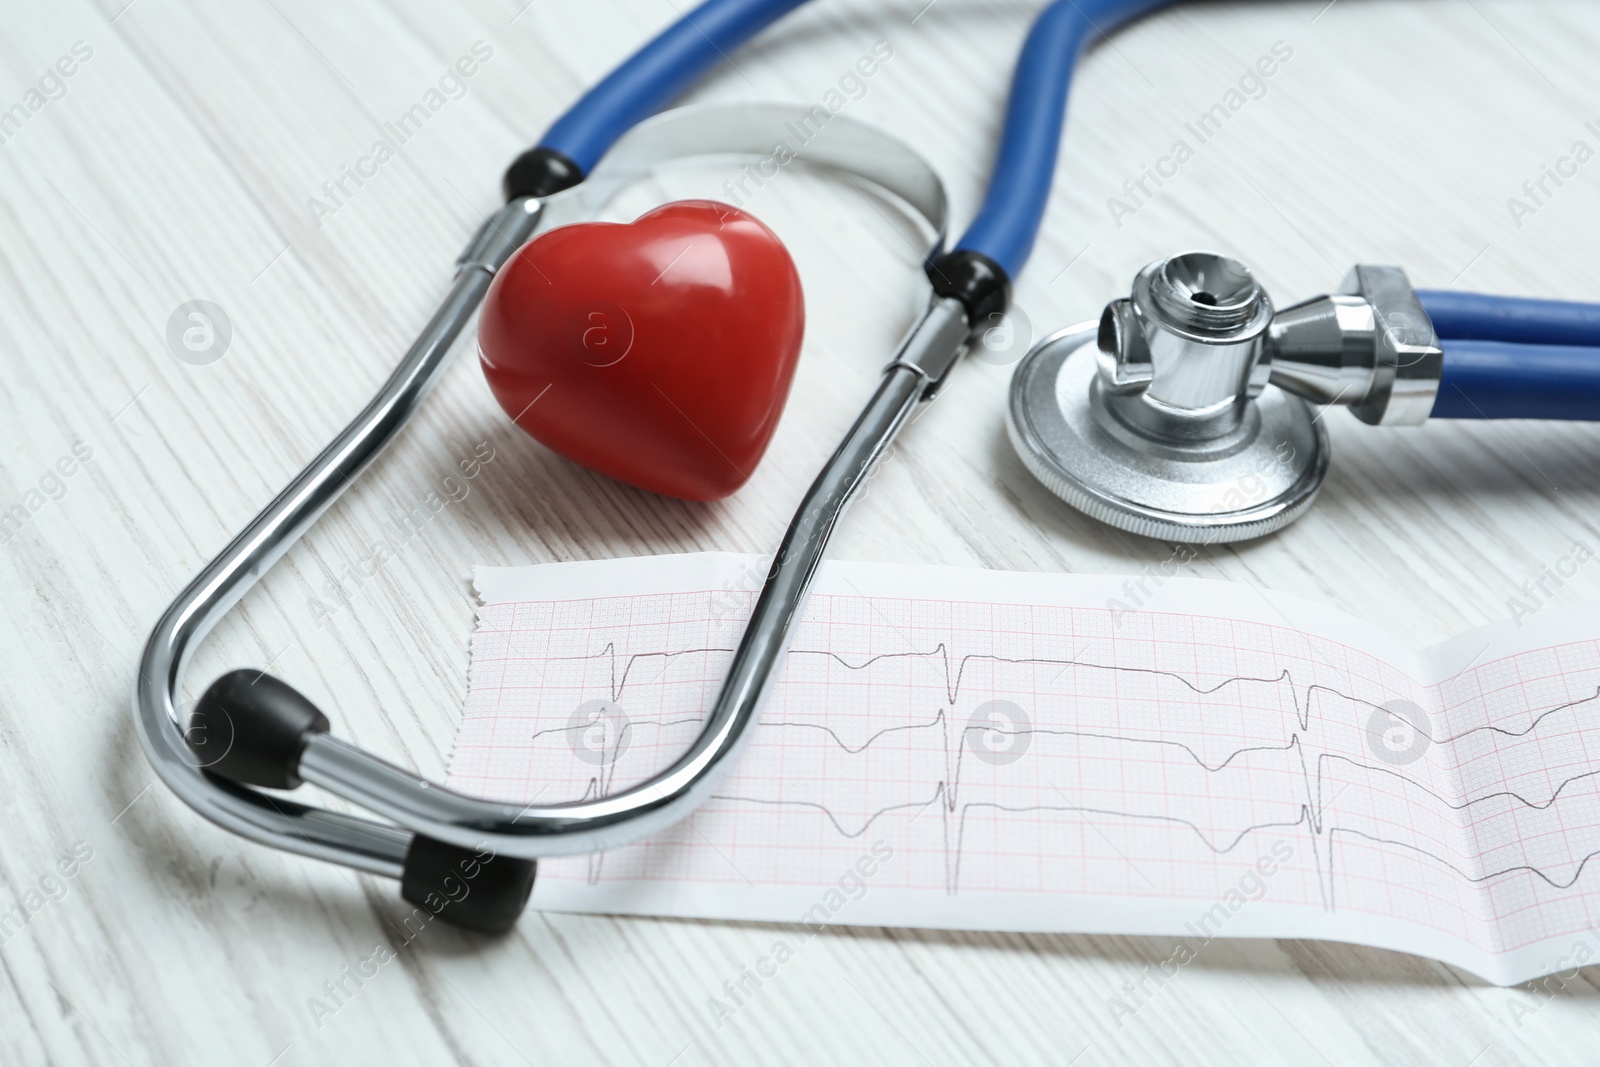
(1036, 752)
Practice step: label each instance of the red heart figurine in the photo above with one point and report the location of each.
(658, 352)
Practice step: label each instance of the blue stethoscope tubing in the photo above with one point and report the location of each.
(1019, 188)
(1503, 357)
(1514, 357)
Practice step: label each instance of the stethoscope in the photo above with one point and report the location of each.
(1181, 385)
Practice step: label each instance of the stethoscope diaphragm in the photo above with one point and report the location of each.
(1069, 431)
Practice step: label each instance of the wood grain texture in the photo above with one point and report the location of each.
(178, 164)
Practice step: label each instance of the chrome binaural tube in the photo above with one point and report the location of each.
(352, 841)
(421, 807)
(536, 831)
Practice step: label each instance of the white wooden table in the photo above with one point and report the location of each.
(176, 162)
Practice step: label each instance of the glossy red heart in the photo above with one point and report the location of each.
(659, 352)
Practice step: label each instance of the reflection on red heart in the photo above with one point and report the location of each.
(658, 352)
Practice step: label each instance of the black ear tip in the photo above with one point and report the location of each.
(250, 728)
(473, 889)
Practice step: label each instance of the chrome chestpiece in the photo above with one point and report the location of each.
(1188, 414)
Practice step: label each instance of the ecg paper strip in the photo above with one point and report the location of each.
(1034, 752)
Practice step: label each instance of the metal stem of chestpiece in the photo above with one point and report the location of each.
(1186, 414)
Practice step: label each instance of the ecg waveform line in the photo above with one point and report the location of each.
(946, 792)
(1311, 814)
(937, 722)
(953, 685)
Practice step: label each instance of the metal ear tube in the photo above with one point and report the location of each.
(468, 860)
